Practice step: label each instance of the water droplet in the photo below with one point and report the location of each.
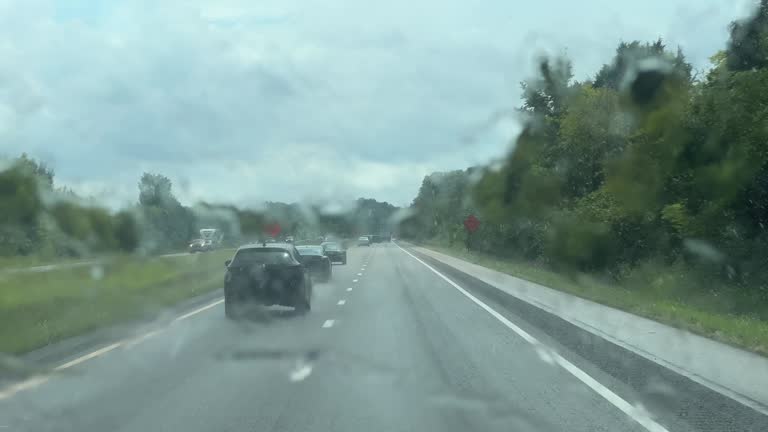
(97, 272)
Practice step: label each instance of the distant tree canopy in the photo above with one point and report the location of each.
(155, 190)
(631, 56)
(38, 218)
(638, 164)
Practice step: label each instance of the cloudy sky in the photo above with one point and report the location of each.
(250, 100)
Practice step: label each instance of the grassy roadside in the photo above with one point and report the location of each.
(23, 262)
(37, 309)
(662, 297)
(14, 263)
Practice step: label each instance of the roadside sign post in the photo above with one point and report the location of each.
(471, 224)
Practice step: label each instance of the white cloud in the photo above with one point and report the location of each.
(285, 100)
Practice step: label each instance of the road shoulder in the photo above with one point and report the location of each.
(615, 340)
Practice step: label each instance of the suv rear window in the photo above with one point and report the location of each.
(310, 250)
(246, 257)
(332, 247)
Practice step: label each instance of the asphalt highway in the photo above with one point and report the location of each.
(391, 344)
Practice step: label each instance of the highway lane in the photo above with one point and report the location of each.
(389, 345)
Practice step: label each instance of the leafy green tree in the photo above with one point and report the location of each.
(155, 190)
(166, 224)
(126, 231)
(20, 208)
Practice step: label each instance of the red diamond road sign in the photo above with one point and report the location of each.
(471, 223)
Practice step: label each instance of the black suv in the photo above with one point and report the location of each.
(267, 274)
(335, 252)
(314, 258)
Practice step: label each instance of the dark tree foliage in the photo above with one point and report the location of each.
(37, 218)
(630, 56)
(155, 190)
(748, 46)
(642, 164)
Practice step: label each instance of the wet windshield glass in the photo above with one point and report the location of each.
(510, 215)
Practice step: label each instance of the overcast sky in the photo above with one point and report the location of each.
(249, 100)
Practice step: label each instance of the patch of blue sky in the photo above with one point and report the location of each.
(90, 12)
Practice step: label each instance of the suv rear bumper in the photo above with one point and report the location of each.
(337, 257)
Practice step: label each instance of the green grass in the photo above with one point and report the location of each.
(664, 294)
(37, 309)
(21, 262)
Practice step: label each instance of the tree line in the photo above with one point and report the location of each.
(38, 217)
(644, 161)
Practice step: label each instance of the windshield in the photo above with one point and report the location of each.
(510, 215)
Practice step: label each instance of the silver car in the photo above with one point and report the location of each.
(363, 241)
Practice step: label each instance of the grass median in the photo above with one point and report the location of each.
(37, 309)
(663, 294)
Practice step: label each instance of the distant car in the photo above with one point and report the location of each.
(200, 245)
(363, 241)
(214, 237)
(266, 274)
(319, 265)
(289, 239)
(335, 252)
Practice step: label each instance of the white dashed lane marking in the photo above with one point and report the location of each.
(354, 280)
(359, 274)
(301, 372)
(349, 289)
(328, 323)
(341, 302)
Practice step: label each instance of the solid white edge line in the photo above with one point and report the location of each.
(328, 323)
(139, 339)
(89, 356)
(616, 400)
(197, 311)
(21, 386)
(727, 392)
